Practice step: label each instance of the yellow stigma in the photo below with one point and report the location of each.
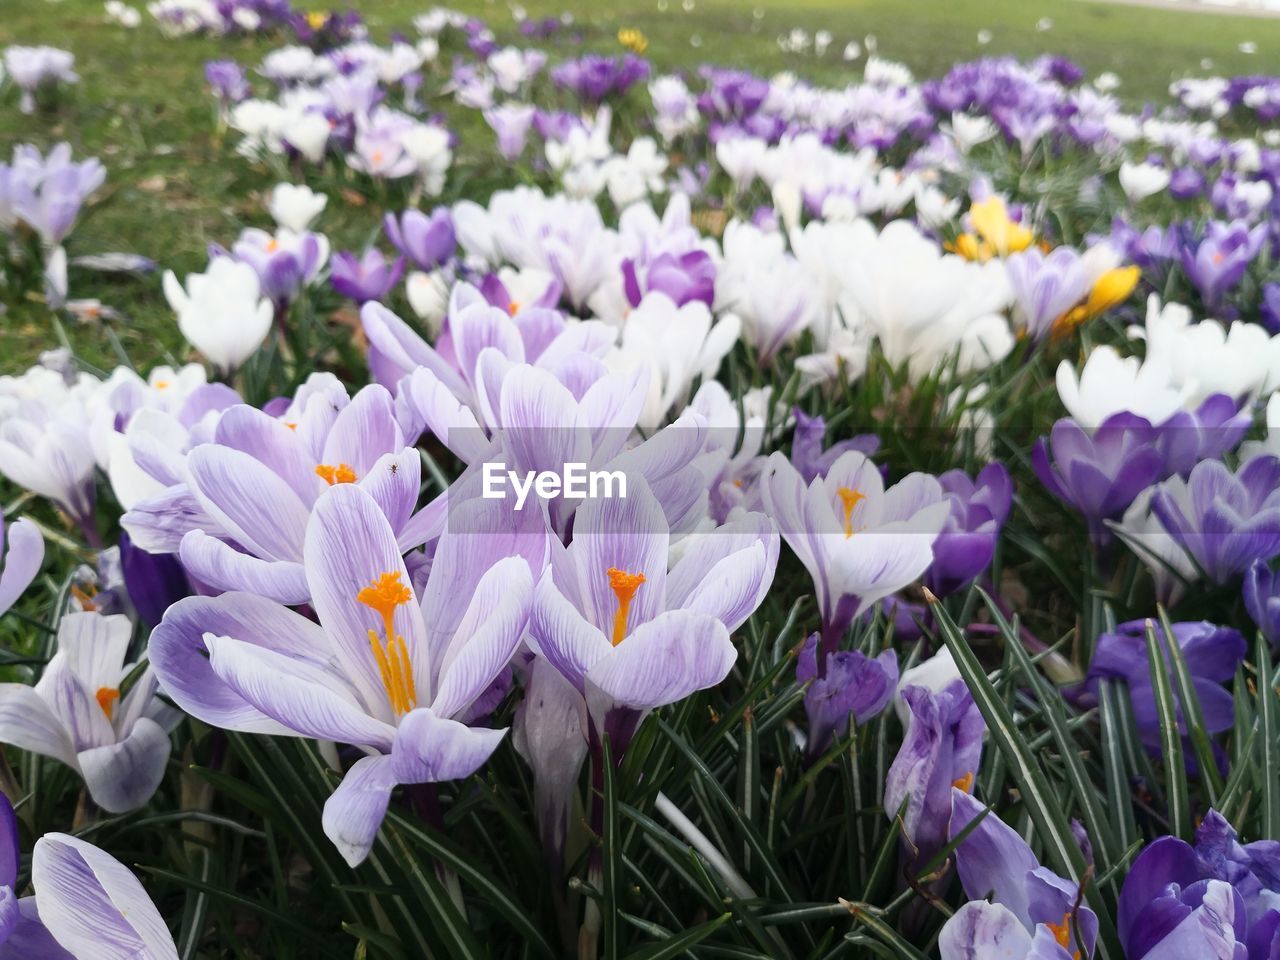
(316, 19)
(633, 39)
(1000, 235)
(384, 593)
(849, 498)
(513, 308)
(624, 586)
(965, 783)
(331, 474)
(273, 245)
(162, 384)
(107, 697)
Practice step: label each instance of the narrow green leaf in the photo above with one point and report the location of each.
(610, 855)
(1207, 763)
(1268, 741)
(676, 946)
(1175, 768)
(1119, 790)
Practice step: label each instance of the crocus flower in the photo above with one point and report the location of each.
(859, 541)
(34, 67)
(595, 78)
(1058, 291)
(941, 749)
(1261, 599)
(259, 480)
(90, 905)
(221, 312)
(510, 123)
(1142, 180)
(154, 581)
(993, 859)
(22, 555)
(294, 207)
(227, 81)
(683, 277)
(979, 509)
(47, 192)
(628, 633)
(45, 448)
(285, 261)
(1225, 521)
(1212, 900)
(807, 452)
(378, 670)
(364, 278)
(1215, 263)
(428, 241)
(1212, 655)
(853, 687)
(76, 714)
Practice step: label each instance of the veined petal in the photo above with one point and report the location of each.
(95, 646)
(123, 776)
(487, 636)
(271, 442)
(181, 660)
(26, 722)
(365, 430)
(94, 906)
(309, 700)
(433, 749)
(559, 633)
(983, 931)
(393, 484)
(250, 502)
(355, 811)
(21, 561)
(221, 566)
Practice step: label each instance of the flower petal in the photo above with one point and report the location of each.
(123, 776)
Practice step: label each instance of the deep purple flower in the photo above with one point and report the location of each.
(1270, 307)
(942, 748)
(1211, 900)
(595, 78)
(1224, 521)
(855, 685)
(428, 241)
(1212, 654)
(154, 581)
(367, 277)
(807, 453)
(979, 508)
(1186, 183)
(683, 277)
(1215, 263)
(1262, 599)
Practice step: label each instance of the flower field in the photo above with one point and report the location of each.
(482, 485)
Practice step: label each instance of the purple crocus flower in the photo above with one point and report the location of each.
(428, 241)
(367, 277)
(684, 277)
(1033, 912)
(227, 80)
(256, 484)
(1225, 521)
(1100, 472)
(76, 714)
(632, 635)
(1217, 261)
(86, 904)
(942, 749)
(1211, 900)
(497, 293)
(1212, 654)
(285, 261)
(22, 553)
(807, 453)
(979, 509)
(1270, 307)
(154, 581)
(47, 192)
(378, 670)
(510, 124)
(1185, 183)
(595, 78)
(859, 541)
(854, 686)
(1261, 599)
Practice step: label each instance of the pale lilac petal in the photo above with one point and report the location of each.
(349, 544)
(393, 484)
(94, 646)
(402, 350)
(93, 905)
(181, 661)
(123, 776)
(432, 749)
(158, 524)
(983, 931)
(75, 705)
(438, 408)
(559, 633)
(22, 560)
(309, 700)
(250, 502)
(487, 636)
(355, 811)
(221, 566)
(29, 940)
(271, 442)
(365, 430)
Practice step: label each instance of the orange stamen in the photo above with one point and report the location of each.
(849, 498)
(1062, 933)
(107, 697)
(85, 596)
(513, 308)
(331, 474)
(965, 783)
(624, 586)
(384, 593)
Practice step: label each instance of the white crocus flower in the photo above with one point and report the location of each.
(221, 312)
(1142, 180)
(295, 207)
(1111, 384)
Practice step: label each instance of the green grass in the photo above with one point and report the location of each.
(173, 187)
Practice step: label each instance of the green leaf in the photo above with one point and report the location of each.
(678, 945)
(1205, 760)
(1175, 768)
(1268, 742)
(1119, 791)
